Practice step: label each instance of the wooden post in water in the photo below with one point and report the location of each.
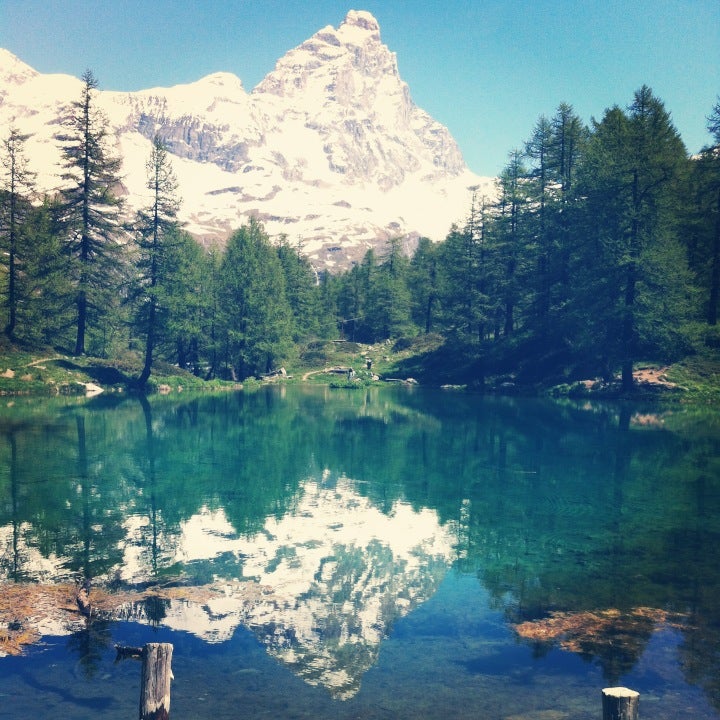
(620, 703)
(155, 683)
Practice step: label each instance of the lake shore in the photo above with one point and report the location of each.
(46, 372)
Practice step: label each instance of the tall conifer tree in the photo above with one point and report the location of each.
(635, 163)
(510, 240)
(257, 318)
(14, 209)
(705, 222)
(45, 314)
(90, 206)
(157, 229)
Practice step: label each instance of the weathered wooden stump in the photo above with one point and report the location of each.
(620, 703)
(155, 683)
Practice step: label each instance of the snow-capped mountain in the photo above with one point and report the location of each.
(328, 149)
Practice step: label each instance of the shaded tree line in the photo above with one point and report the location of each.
(600, 246)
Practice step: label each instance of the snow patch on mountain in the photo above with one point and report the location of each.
(329, 148)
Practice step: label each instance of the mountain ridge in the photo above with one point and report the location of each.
(328, 149)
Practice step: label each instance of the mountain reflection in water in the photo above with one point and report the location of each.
(326, 523)
(336, 573)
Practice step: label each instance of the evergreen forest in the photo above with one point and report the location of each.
(600, 248)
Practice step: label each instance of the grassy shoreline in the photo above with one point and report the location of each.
(47, 372)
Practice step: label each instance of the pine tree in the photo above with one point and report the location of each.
(15, 207)
(570, 137)
(90, 208)
(540, 191)
(554, 152)
(466, 277)
(631, 176)
(257, 318)
(566, 150)
(45, 312)
(302, 289)
(509, 242)
(423, 284)
(156, 231)
(353, 299)
(388, 302)
(704, 230)
(190, 295)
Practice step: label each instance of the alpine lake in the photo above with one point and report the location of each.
(392, 552)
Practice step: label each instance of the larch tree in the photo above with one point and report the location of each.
(353, 298)
(509, 240)
(465, 277)
(423, 284)
(17, 184)
(302, 290)
(190, 294)
(570, 137)
(553, 153)
(704, 247)
(90, 207)
(45, 313)
(256, 316)
(632, 174)
(157, 228)
(540, 187)
(388, 307)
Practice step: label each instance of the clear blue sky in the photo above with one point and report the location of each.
(487, 69)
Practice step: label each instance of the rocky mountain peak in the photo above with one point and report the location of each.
(362, 19)
(312, 68)
(329, 149)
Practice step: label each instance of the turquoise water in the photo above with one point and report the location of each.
(384, 553)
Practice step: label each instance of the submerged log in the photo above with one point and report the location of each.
(620, 703)
(155, 684)
(128, 651)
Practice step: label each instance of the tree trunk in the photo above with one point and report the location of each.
(81, 319)
(149, 346)
(619, 703)
(12, 293)
(715, 272)
(628, 330)
(155, 685)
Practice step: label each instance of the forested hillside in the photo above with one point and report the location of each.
(600, 248)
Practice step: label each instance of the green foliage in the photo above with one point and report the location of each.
(601, 248)
(89, 210)
(702, 224)
(156, 230)
(190, 294)
(631, 178)
(374, 300)
(256, 318)
(388, 298)
(45, 294)
(580, 268)
(17, 182)
(423, 285)
(698, 375)
(305, 293)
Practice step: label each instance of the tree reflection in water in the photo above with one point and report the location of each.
(590, 526)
